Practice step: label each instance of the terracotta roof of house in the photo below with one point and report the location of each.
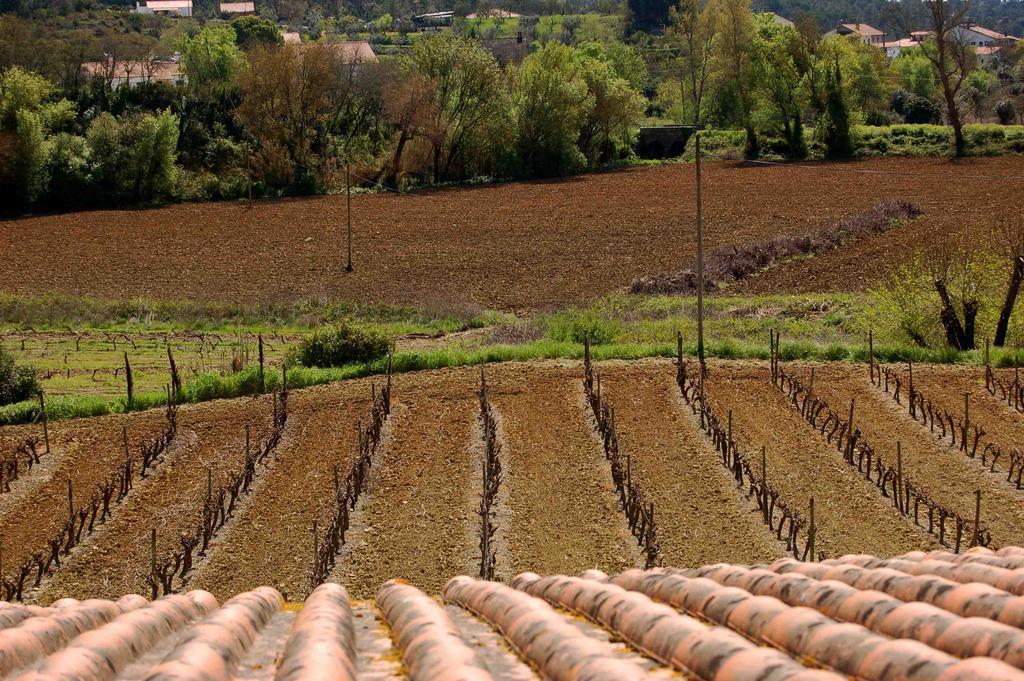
(862, 29)
(165, 71)
(902, 43)
(989, 33)
(507, 50)
(291, 37)
(496, 13)
(935, 615)
(986, 50)
(237, 7)
(355, 52)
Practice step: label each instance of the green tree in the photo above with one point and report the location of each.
(30, 154)
(693, 32)
(21, 90)
(210, 59)
(834, 125)
(780, 82)
(134, 158)
(469, 99)
(735, 71)
(916, 73)
(253, 31)
(551, 105)
(611, 125)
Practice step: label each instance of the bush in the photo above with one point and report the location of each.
(17, 383)
(575, 327)
(340, 345)
(918, 110)
(1006, 110)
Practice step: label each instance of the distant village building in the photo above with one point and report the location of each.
(135, 72)
(507, 50)
(895, 48)
(355, 52)
(238, 8)
(433, 20)
(867, 34)
(781, 20)
(174, 8)
(291, 37)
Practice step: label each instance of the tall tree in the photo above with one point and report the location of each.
(693, 30)
(947, 48)
(735, 72)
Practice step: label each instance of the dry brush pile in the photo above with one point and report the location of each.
(907, 495)
(346, 496)
(81, 522)
(730, 264)
(632, 500)
(786, 522)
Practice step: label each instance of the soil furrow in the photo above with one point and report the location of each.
(851, 516)
(948, 476)
(413, 523)
(115, 560)
(564, 514)
(269, 541)
(702, 518)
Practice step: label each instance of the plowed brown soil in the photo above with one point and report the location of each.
(116, 558)
(270, 539)
(564, 515)
(851, 516)
(84, 451)
(413, 522)
(702, 517)
(511, 246)
(950, 477)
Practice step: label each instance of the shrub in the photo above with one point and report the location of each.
(575, 327)
(1006, 110)
(919, 110)
(17, 383)
(340, 345)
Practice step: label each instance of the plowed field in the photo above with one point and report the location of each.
(518, 245)
(556, 511)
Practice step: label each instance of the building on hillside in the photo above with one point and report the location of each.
(355, 52)
(493, 14)
(507, 50)
(171, 8)
(433, 20)
(979, 36)
(134, 72)
(291, 37)
(781, 20)
(867, 34)
(895, 48)
(238, 8)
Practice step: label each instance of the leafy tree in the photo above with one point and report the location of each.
(921, 110)
(693, 31)
(780, 81)
(611, 125)
(916, 73)
(1006, 111)
(252, 31)
(21, 90)
(17, 383)
(468, 97)
(551, 105)
(210, 59)
(735, 70)
(134, 158)
(834, 125)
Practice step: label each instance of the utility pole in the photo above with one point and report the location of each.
(348, 201)
(700, 256)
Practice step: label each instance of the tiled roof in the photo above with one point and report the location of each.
(237, 7)
(862, 29)
(989, 33)
(938, 616)
(169, 4)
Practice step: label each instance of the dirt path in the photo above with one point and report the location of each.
(564, 517)
(851, 516)
(417, 508)
(949, 476)
(84, 451)
(702, 517)
(269, 541)
(115, 560)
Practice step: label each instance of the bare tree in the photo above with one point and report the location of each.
(946, 47)
(1012, 237)
(408, 105)
(955, 278)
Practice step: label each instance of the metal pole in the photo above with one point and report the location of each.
(348, 202)
(700, 256)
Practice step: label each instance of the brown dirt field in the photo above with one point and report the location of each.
(84, 451)
(115, 559)
(413, 523)
(510, 246)
(949, 477)
(702, 517)
(564, 515)
(268, 541)
(851, 516)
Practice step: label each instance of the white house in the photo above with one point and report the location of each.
(895, 48)
(869, 35)
(238, 8)
(176, 8)
(134, 72)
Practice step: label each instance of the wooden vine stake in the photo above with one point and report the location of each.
(259, 341)
(811, 531)
(46, 420)
(152, 563)
(175, 377)
(71, 498)
(976, 536)
(130, 383)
